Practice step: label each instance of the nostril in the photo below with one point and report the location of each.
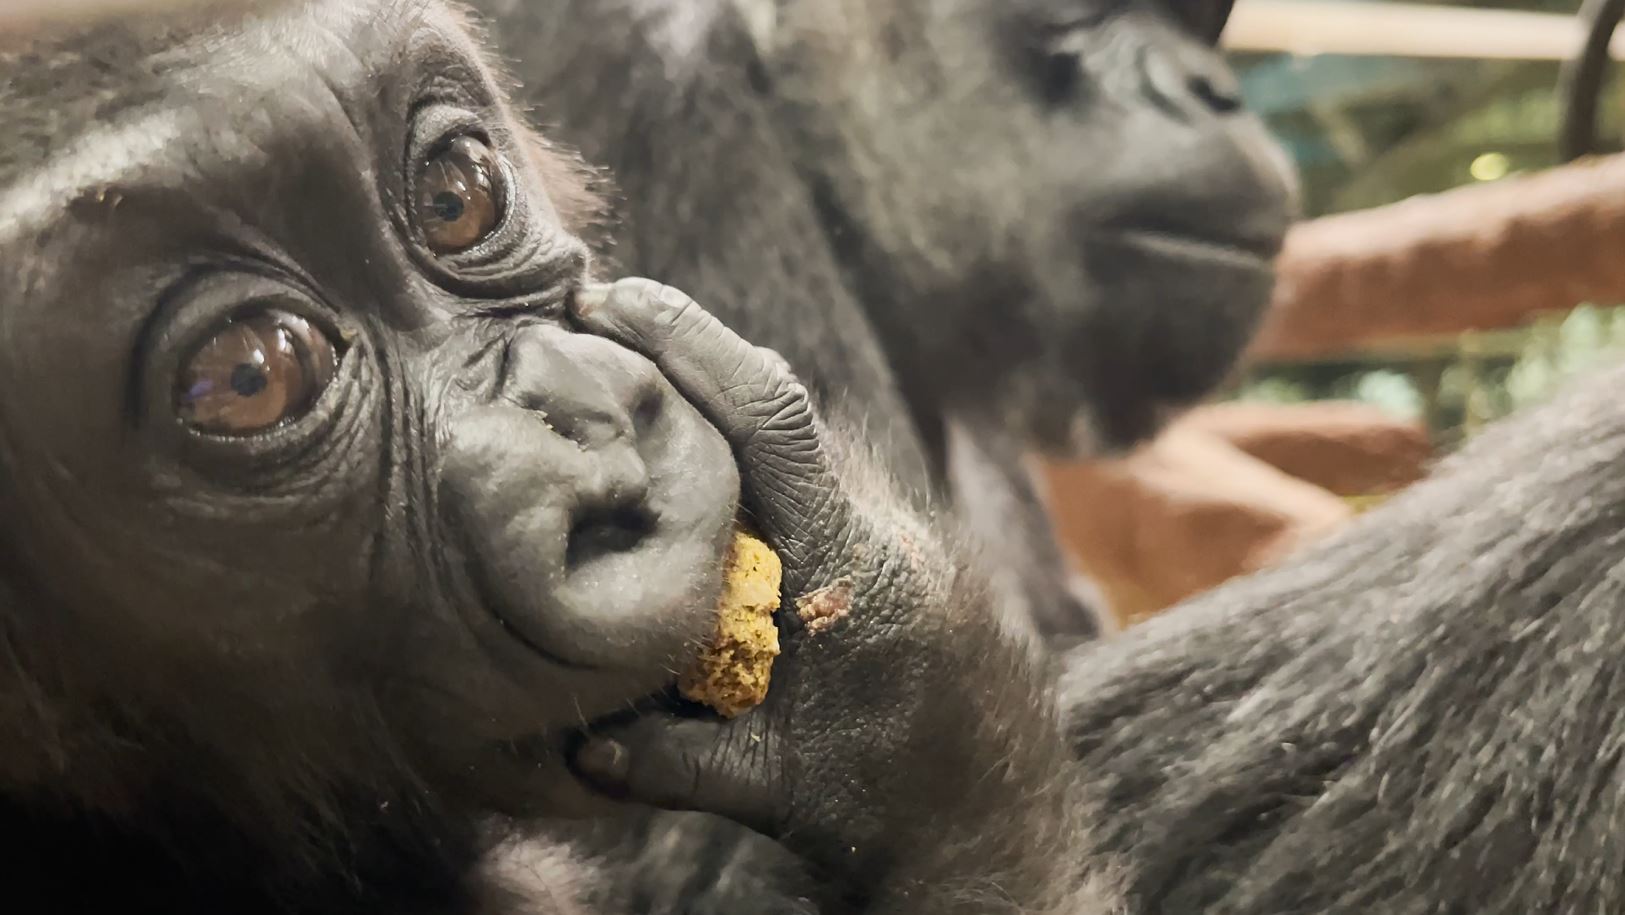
(1220, 100)
(1061, 77)
(601, 532)
(646, 410)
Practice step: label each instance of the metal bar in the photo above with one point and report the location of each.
(1356, 27)
(18, 16)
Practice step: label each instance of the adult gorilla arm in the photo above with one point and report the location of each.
(1422, 714)
(907, 749)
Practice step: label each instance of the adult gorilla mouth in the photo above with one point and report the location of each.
(1244, 244)
(1245, 254)
(1179, 302)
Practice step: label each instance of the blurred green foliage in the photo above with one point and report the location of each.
(1370, 131)
(1367, 131)
(1454, 385)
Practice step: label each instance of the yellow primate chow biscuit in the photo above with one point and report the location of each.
(731, 675)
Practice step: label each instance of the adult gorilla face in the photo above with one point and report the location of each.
(1062, 217)
(292, 417)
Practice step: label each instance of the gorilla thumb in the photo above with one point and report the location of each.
(722, 768)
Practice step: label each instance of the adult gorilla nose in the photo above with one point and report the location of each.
(557, 496)
(1238, 196)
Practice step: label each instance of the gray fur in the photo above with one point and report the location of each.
(1422, 714)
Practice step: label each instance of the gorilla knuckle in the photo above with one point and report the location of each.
(789, 410)
(667, 296)
(638, 289)
(661, 312)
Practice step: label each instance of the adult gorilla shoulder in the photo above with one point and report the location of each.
(975, 227)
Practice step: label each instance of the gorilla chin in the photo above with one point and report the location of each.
(1167, 343)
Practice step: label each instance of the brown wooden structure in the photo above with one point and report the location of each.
(1478, 257)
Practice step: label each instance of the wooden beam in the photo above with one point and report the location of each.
(1486, 256)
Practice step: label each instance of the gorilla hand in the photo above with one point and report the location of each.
(905, 748)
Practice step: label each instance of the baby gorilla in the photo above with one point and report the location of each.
(325, 525)
(319, 521)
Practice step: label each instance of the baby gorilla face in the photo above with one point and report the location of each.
(291, 406)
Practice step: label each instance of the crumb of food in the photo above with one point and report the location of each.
(823, 608)
(732, 673)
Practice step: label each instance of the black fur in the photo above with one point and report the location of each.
(230, 682)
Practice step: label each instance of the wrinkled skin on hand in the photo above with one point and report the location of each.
(899, 721)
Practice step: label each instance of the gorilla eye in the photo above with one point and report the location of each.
(459, 200)
(256, 373)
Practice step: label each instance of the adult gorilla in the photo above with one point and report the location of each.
(974, 227)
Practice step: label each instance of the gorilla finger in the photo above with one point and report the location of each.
(685, 764)
(736, 384)
(746, 391)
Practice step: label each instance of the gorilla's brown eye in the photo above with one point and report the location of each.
(459, 196)
(256, 373)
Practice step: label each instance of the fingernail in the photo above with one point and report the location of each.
(604, 760)
(588, 298)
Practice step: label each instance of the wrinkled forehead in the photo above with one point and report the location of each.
(91, 107)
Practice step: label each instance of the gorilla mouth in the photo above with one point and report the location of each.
(621, 589)
(599, 533)
(1234, 245)
(495, 606)
(1192, 247)
(1194, 290)
(595, 534)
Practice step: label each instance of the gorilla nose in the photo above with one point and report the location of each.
(1190, 82)
(586, 389)
(591, 394)
(548, 499)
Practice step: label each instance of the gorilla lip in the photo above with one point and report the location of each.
(1250, 253)
(1237, 242)
(486, 597)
